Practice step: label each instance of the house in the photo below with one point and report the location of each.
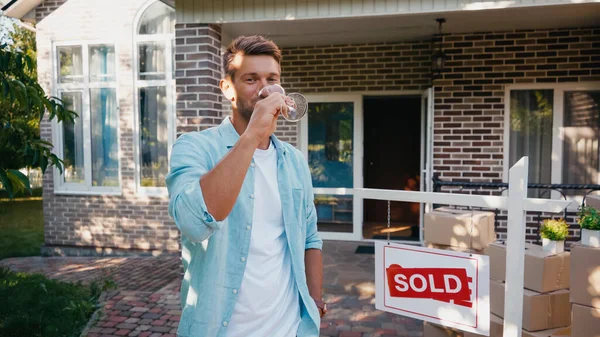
(518, 78)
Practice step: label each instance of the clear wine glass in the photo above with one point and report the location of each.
(297, 107)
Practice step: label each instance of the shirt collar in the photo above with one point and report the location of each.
(230, 136)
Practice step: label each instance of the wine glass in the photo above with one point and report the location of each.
(297, 107)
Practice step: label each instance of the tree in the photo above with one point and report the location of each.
(23, 104)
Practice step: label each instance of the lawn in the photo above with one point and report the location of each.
(22, 227)
(35, 306)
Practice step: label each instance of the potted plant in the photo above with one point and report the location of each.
(589, 220)
(554, 232)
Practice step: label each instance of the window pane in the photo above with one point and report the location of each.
(334, 213)
(102, 63)
(70, 64)
(330, 147)
(531, 134)
(152, 61)
(159, 18)
(104, 122)
(154, 136)
(73, 140)
(581, 134)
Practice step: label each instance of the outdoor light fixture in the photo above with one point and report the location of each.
(438, 59)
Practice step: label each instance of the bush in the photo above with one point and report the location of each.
(33, 305)
(589, 218)
(555, 230)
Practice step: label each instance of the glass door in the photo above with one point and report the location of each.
(331, 140)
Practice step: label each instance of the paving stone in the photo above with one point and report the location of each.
(162, 329)
(129, 326)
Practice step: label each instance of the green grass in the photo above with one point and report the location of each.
(35, 306)
(22, 227)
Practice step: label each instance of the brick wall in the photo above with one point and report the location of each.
(198, 64)
(356, 68)
(126, 221)
(469, 96)
(46, 8)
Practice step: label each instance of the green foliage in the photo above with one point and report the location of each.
(36, 306)
(589, 218)
(23, 104)
(555, 230)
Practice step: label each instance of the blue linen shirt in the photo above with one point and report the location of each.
(214, 252)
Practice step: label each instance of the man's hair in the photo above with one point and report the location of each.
(251, 46)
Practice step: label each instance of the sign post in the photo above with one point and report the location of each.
(515, 249)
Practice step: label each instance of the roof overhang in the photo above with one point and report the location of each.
(18, 9)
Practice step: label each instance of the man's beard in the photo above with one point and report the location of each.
(245, 109)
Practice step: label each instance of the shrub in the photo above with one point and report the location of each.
(555, 230)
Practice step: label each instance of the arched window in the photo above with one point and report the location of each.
(154, 103)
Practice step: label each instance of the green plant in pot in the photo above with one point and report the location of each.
(554, 232)
(589, 220)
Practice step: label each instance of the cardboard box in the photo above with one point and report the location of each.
(434, 330)
(544, 272)
(540, 311)
(593, 201)
(459, 228)
(452, 248)
(585, 275)
(586, 321)
(497, 330)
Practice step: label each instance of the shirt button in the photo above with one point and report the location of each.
(252, 164)
(248, 227)
(224, 323)
(251, 196)
(234, 291)
(242, 259)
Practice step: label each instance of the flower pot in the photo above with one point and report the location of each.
(590, 237)
(553, 247)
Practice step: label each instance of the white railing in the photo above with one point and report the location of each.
(517, 205)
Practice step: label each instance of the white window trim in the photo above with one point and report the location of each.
(60, 187)
(168, 82)
(557, 128)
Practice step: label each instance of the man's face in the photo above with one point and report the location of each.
(252, 74)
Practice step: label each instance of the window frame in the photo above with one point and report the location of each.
(61, 187)
(169, 82)
(559, 90)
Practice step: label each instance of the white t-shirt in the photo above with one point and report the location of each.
(268, 301)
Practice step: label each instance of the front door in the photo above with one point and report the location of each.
(392, 161)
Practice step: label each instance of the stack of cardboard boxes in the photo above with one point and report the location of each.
(546, 307)
(585, 286)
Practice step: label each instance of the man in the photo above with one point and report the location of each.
(243, 201)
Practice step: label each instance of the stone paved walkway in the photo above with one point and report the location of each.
(146, 303)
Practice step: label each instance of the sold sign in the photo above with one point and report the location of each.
(439, 286)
